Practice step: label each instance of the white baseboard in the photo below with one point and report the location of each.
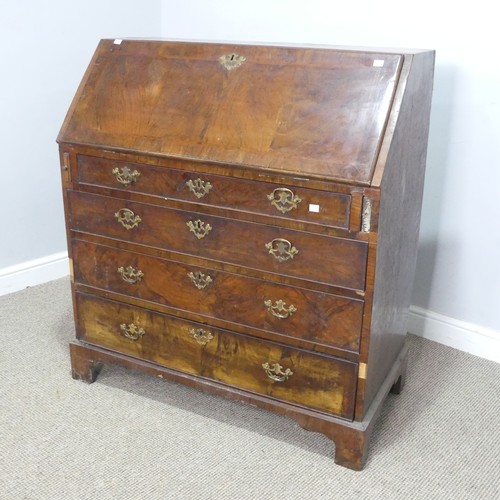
(33, 272)
(468, 337)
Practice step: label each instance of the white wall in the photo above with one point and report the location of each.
(457, 287)
(45, 49)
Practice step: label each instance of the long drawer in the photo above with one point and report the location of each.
(313, 316)
(327, 208)
(271, 369)
(325, 259)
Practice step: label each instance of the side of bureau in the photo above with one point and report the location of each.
(281, 286)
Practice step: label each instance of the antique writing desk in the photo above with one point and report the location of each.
(244, 219)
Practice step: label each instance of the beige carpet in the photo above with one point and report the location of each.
(130, 436)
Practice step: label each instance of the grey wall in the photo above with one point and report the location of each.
(45, 48)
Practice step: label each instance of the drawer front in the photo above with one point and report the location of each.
(316, 381)
(322, 318)
(327, 208)
(314, 257)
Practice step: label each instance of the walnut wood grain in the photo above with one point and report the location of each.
(320, 318)
(343, 129)
(283, 110)
(227, 192)
(317, 381)
(325, 259)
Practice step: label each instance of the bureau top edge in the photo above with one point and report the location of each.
(343, 48)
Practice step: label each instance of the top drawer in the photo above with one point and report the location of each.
(291, 202)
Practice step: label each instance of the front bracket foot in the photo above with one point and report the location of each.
(83, 367)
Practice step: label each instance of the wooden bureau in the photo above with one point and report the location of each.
(244, 219)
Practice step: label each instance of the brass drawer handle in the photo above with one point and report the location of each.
(125, 176)
(275, 372)
(281, 249)
(199, 228)
(130, 274)
(132, 331)
(283, 199)
(199, 187)
(201, 336)
(127, 218)
(199, 279)
(279, 309)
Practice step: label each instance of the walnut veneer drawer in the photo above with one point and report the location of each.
(325, 259)
(312, 380)
(316, 317)
(296, 203)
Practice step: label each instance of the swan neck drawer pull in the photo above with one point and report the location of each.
(199, 187)
(279, 309)
(130, 274)
(127, 218)
(275, 372)
(132, 331)
(281, 249)
(199, 279)
(283, 199)
(125, 176)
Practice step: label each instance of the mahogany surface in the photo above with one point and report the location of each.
(244, 219)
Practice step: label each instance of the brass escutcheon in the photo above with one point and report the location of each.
(283, 199)
(127, 218)
(199, 279)
(281, 249)
(275, 372)
(279, 309)
(199, 187)
(132, 331)
(130, 274)
(232, 61)
(199, 228)
(125, 176)
(201, 336)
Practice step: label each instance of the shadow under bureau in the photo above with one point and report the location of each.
(244, 219)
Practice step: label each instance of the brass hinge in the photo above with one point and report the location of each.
(366, 215)
(362, 371)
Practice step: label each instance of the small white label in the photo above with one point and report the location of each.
(118, 41)
(313, 208)
(378, 63)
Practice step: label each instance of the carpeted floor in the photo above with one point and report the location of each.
(131, 436)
